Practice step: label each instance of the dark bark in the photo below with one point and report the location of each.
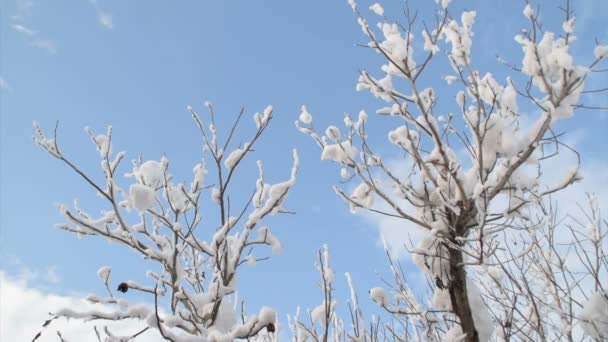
(459, 296)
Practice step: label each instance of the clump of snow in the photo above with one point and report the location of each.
(460, 37)
(379, 296)
(305, 116)
(226, 316)
(200, 171)
(496, 273)
(267, 316)
(250, 259)
(547, 62)
(454, 334)
(528, 11)
(400, 50)
(104, 273)
(594, 317)
(600, 51)
(319, 313)
(568, 25)
(344, 173)
(430, 256)
(235, 156)
(480, 312)
(428, 43)
(177, 197)
(141, 197)
(342, 152)
(333, 133)
(150, 173)
(441, 300)
(363, 196)
(403, 137)
(377, 8)
(593, 232)
(103, 144)
(215, 195)
(267, 237)
(262, 119)
(444, 3)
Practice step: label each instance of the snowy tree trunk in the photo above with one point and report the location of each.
(457, 288)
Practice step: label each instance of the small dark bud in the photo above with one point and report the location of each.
(270, 327)
(123, 287)
(439, 283)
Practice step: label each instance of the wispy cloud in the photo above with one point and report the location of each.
(45, 44)
(4, 85)
(22, 29)
(104, 18)
(20, 24)
(24, 8)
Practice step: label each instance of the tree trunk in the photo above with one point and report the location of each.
(459, 296)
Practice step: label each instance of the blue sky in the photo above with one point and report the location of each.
(136, 65)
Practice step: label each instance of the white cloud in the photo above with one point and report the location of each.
(105, 19)
(25, 30)
(21, 25)
(44, 44)
(24, 308)
(24, 7)
(4, 85)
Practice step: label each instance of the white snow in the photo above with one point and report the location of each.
(363, 196)
(600, 51)
(176, 195)
(235, 156)
(568, 25)
(460, 37)
(455, 334)
(142, 197)
(342, 152)
(305, 116)
(215, 195)
(150, 173)
(200, 172)
(377, 8)
(399, 49)
(593, 232)
(103, 143)
(528, 11)
(262, 119)
(379, 296)
(428, 43)
(444, 3)
(344, 173)
(104, 273)
(333, 133)
(594, 317)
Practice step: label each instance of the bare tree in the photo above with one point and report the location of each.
(470, 204)
(197, 264)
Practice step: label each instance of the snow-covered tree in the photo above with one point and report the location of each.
(500, 261)
(191, 289)
(471, 178)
